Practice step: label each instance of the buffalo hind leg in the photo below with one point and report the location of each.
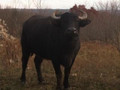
(58, 75)
(38, 60)
(25, 57)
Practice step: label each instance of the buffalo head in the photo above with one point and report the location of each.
(70, 23)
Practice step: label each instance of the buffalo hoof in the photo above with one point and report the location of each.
(41, 80)
(59, 88)
(22, 80)
(66, 88)
(23, 83)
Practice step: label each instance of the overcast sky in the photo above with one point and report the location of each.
(51, 4)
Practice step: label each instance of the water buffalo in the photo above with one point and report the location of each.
(55, 38)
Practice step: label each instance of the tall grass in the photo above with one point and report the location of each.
(9, 45)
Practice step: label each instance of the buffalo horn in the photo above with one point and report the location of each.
(84, 15)
(54, 16)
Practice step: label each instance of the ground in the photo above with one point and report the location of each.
(97, 67)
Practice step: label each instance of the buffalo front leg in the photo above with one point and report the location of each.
(66, 77)
(67, 74)
(58, 75)
(25, 57)
(38, 60)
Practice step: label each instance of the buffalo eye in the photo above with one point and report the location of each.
(83, 23)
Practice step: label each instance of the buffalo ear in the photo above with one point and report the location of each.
(83, 23)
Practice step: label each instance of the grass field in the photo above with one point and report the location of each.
(97, 67)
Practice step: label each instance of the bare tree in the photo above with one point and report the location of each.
(38, 3)
(16, 3)
(110, 22)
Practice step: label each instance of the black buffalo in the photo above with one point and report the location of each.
(55, 38)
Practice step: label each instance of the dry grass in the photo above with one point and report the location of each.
(97, 67)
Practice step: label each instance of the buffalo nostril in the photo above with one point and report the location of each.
(75, 31)
(72, 29)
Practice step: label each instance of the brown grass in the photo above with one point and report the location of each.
(97, 67)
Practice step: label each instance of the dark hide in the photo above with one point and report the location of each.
(54, 39)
